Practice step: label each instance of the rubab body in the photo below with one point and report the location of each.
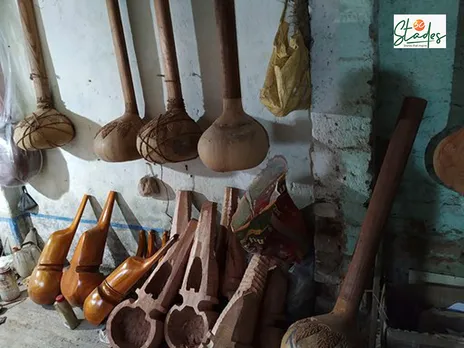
(140, 323)
(173, 136)
(45, 128)
(236, 325)
(44, 283)
(188, 323)
(114, 288)
(235, 141)
(83, 274)
(115, 142)
(338, 328)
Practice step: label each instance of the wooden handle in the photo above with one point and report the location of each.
(226, 26)
(79, 213)
(168, 47)
(38, 72)
(380, 205)
(122, 57)
(105, 217)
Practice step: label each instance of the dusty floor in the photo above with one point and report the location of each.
(32, 326)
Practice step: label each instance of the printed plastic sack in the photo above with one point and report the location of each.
(287, 86)
(267, 220)
(16, 166)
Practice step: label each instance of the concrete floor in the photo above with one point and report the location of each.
(29, 325)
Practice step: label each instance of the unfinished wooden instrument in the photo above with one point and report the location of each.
(116, 141)
(45, 128)
(187, 324)
(173, 136)
(44, 282)
(139, 323)
(235, 262)
(83, 274)
(337, 329)
(236, 325)
(235, 141)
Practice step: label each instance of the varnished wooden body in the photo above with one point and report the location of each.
(140, 323)
(114, 288)
(44, 282)
(187, 324)
(338, 328)
(83, 274)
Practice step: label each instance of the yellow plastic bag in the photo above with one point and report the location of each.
(287, 86)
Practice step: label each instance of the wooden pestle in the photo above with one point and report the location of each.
(116, 141)
(44, 283)
(83, 274)
(235, 141)
(336, 329)
(99, 304)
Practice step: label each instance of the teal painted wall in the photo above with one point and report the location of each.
(426, 227)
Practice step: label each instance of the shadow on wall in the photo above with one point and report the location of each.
(53, 181)
(82, 144)
(114, 244)
(455, 119)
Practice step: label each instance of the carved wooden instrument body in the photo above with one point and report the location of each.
(272, 316)
(235, 141)
(83, 274)
(44, 282)
(236, 325)
(235, 260)
(140, 323)
(46, 128)
(116, 141)
(173, 136)
(337, 329)
(115, 287)
(187, 324)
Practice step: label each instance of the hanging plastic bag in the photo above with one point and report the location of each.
(287, 86)
(16, 166)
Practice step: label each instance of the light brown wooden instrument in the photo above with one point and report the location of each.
(115, 142)
(83, 274)
(235, 141)
(44, 282)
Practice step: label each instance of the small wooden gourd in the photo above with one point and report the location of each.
(44, 282)
(115, 142)
(173, 136)
(45, 128)
(83, 274)
(235, 141)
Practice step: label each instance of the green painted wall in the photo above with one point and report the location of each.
(426, 228)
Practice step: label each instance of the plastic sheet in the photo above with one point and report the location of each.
(16, 166)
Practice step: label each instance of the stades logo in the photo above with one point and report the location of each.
(419, 31)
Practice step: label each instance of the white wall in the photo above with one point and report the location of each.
(79, 55)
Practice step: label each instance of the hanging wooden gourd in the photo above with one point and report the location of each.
(173, 136)
(115, 142)
(235, 141)
(45, 128)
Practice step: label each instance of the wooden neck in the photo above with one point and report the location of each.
(38, 72)
(122, 57)
(105, 217)
(380, 205)
(168, 47)
(226, 26)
